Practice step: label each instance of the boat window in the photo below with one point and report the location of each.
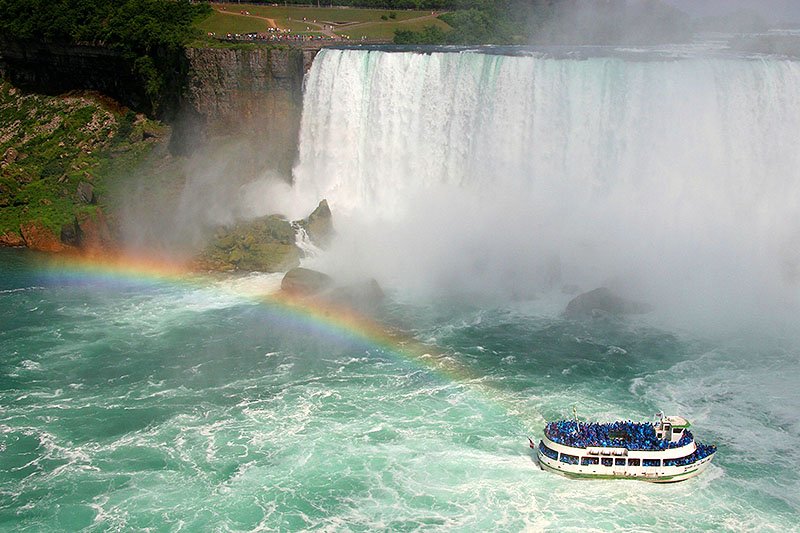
(677, 430)
(651, 462)
(607, 461)
(547, 452)
(569, 459)
(589, 460)
(633, 462)
(619, 462)
(681, 461)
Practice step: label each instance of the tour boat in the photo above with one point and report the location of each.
(661, 452)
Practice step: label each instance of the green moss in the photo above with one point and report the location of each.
(265, 244)
(60, 142)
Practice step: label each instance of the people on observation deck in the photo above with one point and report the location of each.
(627, 434)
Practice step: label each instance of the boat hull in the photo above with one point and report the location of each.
(667, 474)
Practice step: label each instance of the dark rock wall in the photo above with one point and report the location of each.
(229, 86)
(212, 91)
(56, 68)
(255, 94)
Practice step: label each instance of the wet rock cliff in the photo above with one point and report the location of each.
(55, 68)
(254, 91)
(209, 90)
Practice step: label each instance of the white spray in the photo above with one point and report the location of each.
(677, 179)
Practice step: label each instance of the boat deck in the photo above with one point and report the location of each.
(628, 435)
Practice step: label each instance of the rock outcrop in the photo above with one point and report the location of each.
(39, 237)
(93, 232)
(11, 239)
(85, 193)
(266, 244)
(319, 225)
(601, 301)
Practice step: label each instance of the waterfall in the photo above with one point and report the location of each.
(482, 169)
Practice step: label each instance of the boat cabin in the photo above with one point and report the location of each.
(670, 428)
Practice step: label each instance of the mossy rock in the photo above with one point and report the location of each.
(265, 245)
(59, 155)
(270, 257)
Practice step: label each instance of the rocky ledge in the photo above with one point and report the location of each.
(266, 244)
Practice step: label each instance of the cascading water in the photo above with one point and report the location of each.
(497, 171)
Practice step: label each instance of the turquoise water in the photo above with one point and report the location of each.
(147, 405)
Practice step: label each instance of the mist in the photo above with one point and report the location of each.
(182, 200)
(774, 11)
(517, 177)
(526, 179)
(607, 22)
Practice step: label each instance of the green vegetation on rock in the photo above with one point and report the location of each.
(59, 155)
(265, 244)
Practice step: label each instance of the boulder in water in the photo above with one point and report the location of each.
(364, 295)
(604, 301)
(305, 282)
(319, 286)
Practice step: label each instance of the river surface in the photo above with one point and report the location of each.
(138, 403)
(483, 190)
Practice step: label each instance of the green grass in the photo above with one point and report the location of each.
(351, 22)
(222, 24)
(385, 31)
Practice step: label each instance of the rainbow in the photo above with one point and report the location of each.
(324, 319)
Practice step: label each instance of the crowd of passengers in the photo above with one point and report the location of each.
(630, 435)
(700, 453)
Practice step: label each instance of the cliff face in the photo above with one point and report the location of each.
(53, 69)
(254, 91)
(230, 86)
(253, 94)
(226, 89)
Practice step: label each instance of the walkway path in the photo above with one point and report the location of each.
(224, 11)
(328, 29)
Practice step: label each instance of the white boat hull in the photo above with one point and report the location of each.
(666, 474)
(653, 474)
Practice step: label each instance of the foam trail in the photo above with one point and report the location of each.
(506, 172)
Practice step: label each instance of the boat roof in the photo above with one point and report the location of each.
(677, 421)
